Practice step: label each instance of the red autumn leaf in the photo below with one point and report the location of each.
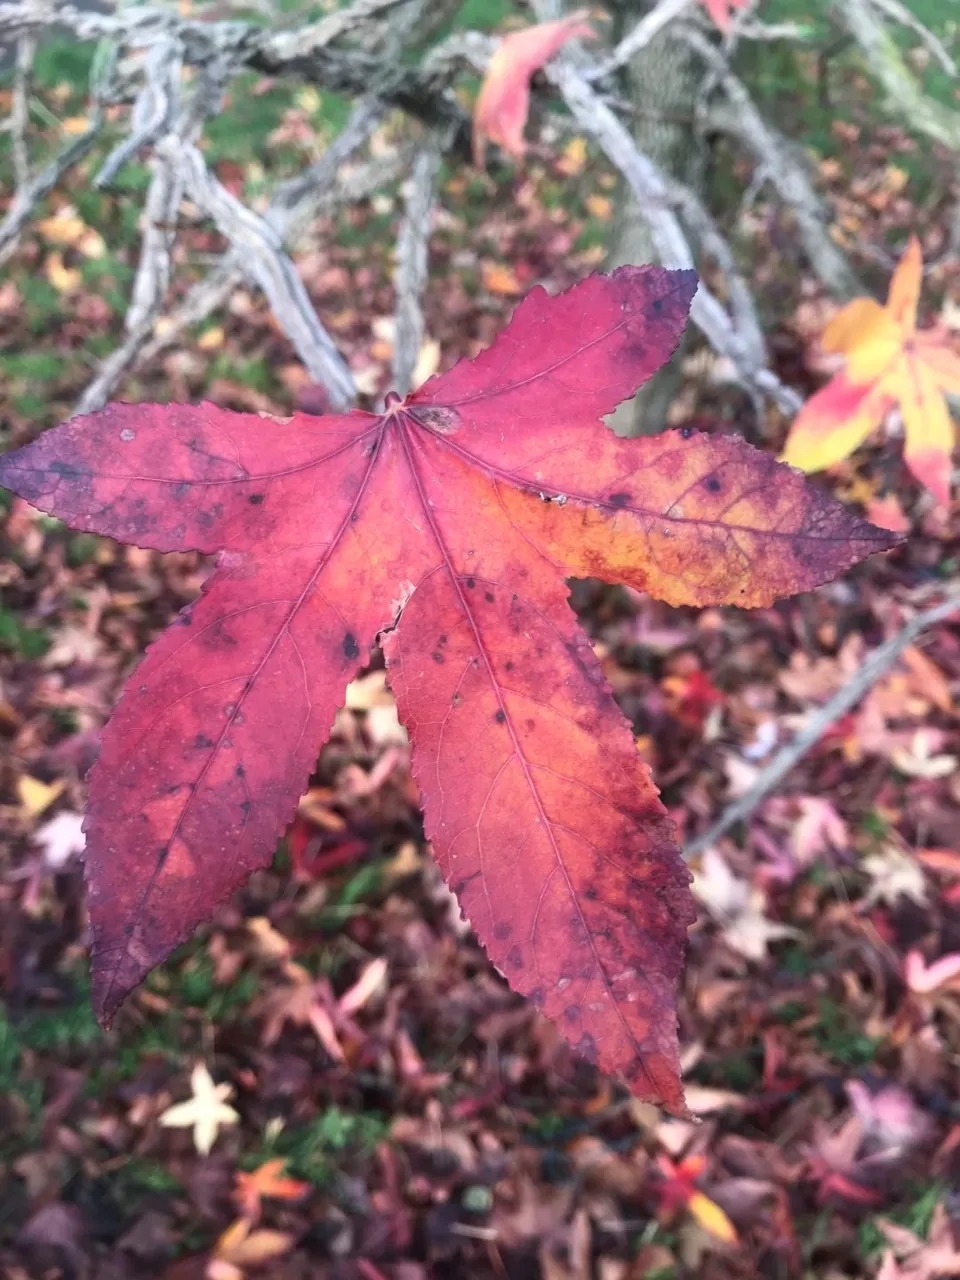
(503, 103)
(452, 518)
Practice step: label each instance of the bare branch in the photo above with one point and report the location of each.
(161, 212)
(19, 109)
(785, 170)
(656, 198)
(410, 275)
(876, 666)
(153, 109)
(885, 61)
(264, 261)
(295, 203)
(901, 14)
(27, 198)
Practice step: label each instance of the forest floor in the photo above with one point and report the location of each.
(399, 1114)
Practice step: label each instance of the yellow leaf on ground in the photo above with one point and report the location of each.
(35, 796)
(712, 1218)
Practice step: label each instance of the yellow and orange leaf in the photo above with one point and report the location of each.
(888, 365)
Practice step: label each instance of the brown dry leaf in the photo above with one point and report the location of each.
(500, 279)
(240, 1249)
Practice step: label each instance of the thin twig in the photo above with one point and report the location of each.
(41, 184)
(656, 199)
(900, 13)
(295, 203)
(410, 275)
(160, 217)
(19, 109)
(786, 171)
(885, 61)
(264, 261)
(879, 662)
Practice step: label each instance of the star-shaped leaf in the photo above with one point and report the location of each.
(889, 364)
(205, 1112)
(447, 525)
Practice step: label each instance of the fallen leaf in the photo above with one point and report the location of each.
(894, 874)
(35, 796)
(205, 1112)
(60, 839)
(240, 1247)
(737, 907)
(266, 1182)
(453, 519)
(924, 979)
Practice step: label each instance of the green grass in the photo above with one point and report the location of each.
(63, 1027)
(16, 637)
(196, 985)
(915, 1213)
(317, 1150)
(839, 1035)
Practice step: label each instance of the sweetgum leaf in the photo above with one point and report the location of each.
(448, 523)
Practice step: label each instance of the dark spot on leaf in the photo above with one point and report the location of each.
(508, 665)
(441, 640)
(587, 1046)
(181, 489)
(255, 499)
(501, 716)
(245, 807)
(60, 468)
(619, 499)
(351, 649)
(712, 484)
(686, 432)
(240, 771)
(590, 893)
(456, 699)
(471, 583)
(502, 930)
(437, 417)
(656, 306)
(488, 596)
(202, 741)
(537, 996)
(437, 656)
(515, 957)
(162, 854)
(572, 1013)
